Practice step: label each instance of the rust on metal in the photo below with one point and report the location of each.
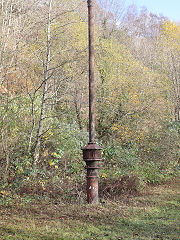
(91, 74)
(92, 156)
(91, 152)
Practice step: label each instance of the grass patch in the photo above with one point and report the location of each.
(153, 215)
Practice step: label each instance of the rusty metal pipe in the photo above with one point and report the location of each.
(91, 152)
(92, 156)
(91, 74)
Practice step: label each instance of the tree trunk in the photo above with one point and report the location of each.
(45, 89)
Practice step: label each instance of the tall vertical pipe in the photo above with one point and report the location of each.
(91, 74)
(92, 152)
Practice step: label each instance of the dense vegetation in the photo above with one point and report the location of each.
(44, 96)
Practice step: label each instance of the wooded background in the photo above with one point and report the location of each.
(44, 92)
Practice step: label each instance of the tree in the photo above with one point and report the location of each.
(11, 22)
(168, 47)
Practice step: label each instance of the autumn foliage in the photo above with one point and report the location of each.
(44, 94)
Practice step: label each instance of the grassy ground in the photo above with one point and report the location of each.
(153, 215)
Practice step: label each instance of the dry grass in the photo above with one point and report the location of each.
(153, 215)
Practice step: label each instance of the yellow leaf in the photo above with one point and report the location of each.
(51, 163)
(3, 193)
